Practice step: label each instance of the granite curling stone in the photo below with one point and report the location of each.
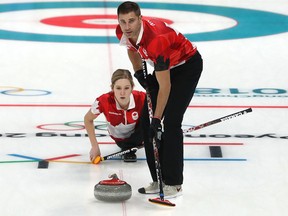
(112, 190)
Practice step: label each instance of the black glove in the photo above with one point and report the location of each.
(150, 83)
(139, 75)
(155, 131)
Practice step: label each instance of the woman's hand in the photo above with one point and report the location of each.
(94, 152)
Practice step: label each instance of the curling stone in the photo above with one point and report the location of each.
(112, 190)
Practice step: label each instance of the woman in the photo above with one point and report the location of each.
(122, 107)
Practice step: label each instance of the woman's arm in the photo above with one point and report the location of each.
(89, 125)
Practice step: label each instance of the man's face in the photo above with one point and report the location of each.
(130, 25)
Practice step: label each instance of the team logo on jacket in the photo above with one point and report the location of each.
(135, 116)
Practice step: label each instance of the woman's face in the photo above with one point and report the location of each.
(122, 90)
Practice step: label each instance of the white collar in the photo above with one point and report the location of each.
(140, 33)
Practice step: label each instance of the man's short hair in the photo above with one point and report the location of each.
(127, 7)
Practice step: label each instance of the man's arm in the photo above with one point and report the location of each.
(163, 78)
(135, 60)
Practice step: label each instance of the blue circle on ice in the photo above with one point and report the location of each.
(250, 23)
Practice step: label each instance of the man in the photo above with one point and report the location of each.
(177, 69)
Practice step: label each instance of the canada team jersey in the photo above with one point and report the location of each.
(121, 123)
(162, 46)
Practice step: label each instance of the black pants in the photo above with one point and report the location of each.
(136, 139)
(184, 80)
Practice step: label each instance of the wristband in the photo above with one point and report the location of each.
(157, 117)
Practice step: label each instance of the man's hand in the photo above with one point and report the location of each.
(139, 75)
(150, 83)
(155, 131)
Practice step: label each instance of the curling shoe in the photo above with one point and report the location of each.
(130, 157)
(172, 191)
(153, 188)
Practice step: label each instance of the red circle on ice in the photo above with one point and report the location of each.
(104, 21)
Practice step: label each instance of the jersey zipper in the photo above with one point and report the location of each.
(125, 117)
